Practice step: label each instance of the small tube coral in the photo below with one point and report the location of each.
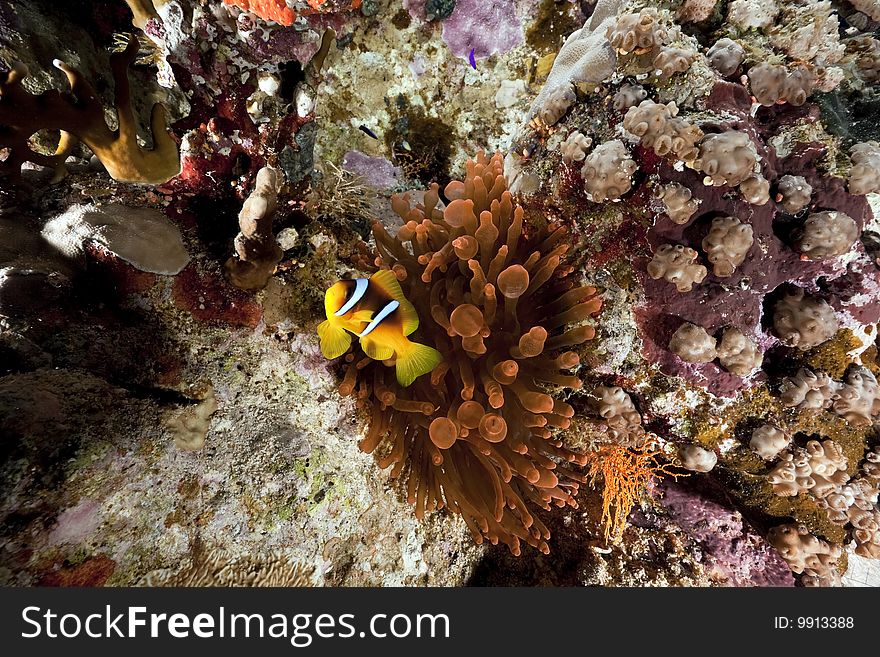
(575, 147)
(826, 235)
(767, 441)
(864, 177)
(858, 399)
(817, 468)
(726, 55)
(607, 171)
(679, 202)
(748, 14)
(808, 391)
(803, 321)
(82, 118)
(696, 458)
(805, 554)
(258, 252)
(738, 353)
(793, 193)
(670, 61)
(727, 158)
(557, 105)
(693, 344)
(629, 95)
(637, 33)
(658, 127)
(727, 244)
(677, 264)
(755, 189)
(494, 297)
(774, 84)
(623, 421)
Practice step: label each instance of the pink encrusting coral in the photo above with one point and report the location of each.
(485, 28)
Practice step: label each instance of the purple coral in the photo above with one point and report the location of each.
(733, 553)
(485, 27)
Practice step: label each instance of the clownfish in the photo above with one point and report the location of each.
(376, 311)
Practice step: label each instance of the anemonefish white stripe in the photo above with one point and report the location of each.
(360, 290)
(390, 307)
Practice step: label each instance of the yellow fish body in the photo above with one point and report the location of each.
(376, 311)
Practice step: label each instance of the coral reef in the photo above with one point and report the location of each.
(637, 142)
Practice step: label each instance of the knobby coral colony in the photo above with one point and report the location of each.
(22, 114)
(497, 301)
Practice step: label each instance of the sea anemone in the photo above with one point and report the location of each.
(495, 298)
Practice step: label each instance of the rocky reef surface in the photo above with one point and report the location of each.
(657, 306)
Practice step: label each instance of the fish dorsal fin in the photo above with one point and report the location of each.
(385, 280)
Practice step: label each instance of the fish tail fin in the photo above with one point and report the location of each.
(335, 340)
(416, 360)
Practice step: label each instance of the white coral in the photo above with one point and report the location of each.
(726, 55)
(628, 96)
(826, 235)
(808, 391)
(607, 171)
(794, 193)
(616, 408)
(727, 244)
(858, 400)
(693, 344)
(727, 158)
(677, 264)
(805, 554)
(738, 353)
(767, 441)
(748, 14)
(864, 177)
(803, 321)
(819, 469)
(679, 202)
(575, 147)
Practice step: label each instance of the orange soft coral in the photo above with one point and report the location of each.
(626, 472)
(278, 11)
(270, 10)
(494, 297)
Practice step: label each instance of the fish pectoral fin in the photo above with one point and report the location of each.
(365, 316)
(419, 359)
(376, 349)
(387, 282)
(335, 340)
